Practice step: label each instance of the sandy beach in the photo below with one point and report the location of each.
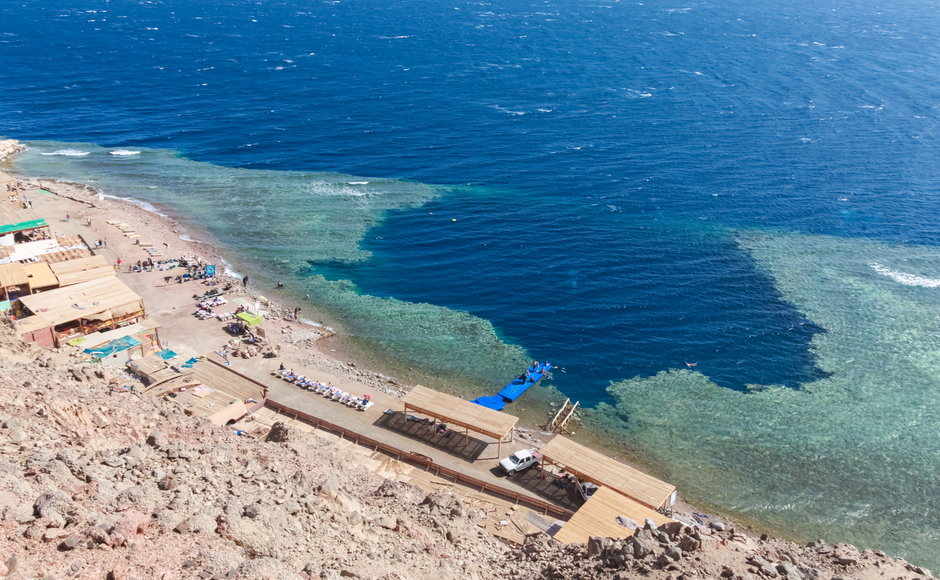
(78, 209)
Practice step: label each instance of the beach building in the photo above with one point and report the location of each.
(594, 467)
(624, 500)
(20, 226)
(120, 345)
(25, 236)
(23, 279)
(65, 248)
(54, 317)
(458, 412)
(203, 386)
(48, 250)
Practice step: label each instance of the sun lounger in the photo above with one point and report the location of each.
(363, 405)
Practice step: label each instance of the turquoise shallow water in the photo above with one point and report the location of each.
(864, 438)
(746, 187)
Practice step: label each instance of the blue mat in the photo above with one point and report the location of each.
(166, 354)
(494, 402)
(521, 384)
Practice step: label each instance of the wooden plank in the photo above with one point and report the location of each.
(78, 265)
(72, 278)
(13, 275)
(587, 464)
(598, 517)
(40, 275)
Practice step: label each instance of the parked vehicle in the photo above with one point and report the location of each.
(587, 489)
(520, 460)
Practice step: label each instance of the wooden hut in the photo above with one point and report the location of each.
(24, 279)
(81, 309)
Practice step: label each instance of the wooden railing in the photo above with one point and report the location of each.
(424, 462)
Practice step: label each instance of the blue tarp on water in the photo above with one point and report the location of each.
(492, 402)
(521, 384)
(109, 348)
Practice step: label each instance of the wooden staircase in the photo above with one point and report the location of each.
(559, 423)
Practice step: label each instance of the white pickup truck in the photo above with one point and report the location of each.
(520, 460)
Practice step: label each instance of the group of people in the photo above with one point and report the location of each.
(143, 266)
(204, 308)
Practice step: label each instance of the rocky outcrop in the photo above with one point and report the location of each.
(9, 148)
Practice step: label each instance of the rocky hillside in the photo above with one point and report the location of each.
(97, 482)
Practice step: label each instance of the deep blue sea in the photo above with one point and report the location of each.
(718, 217)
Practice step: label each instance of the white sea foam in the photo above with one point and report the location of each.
(357, 183)
(229, 271)
(507, 111)
(67, 153)
(334, 189)
(905, 278)
(141, 204)
(635, 94)
(124, 152)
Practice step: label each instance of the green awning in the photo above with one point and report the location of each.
(251, 319)
(22, 226)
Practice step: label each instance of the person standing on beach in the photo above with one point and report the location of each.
(245, 281)
(68, 217)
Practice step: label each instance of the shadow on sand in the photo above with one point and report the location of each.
(430, 433)
(549, 486)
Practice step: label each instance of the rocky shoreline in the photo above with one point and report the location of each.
(98, 482)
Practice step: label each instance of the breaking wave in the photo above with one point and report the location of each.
(66, 153)
(905, 278)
